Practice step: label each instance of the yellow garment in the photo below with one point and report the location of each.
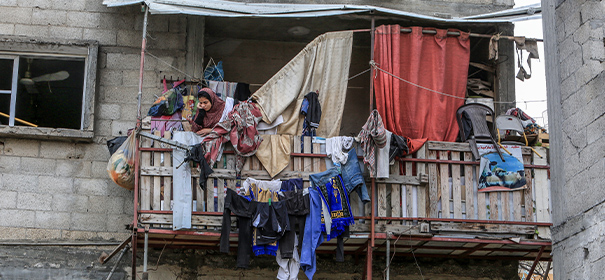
(274, 152)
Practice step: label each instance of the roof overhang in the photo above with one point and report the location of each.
(223, 8)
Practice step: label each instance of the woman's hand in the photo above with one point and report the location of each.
(204, 131)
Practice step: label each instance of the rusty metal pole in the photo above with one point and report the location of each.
(141, 70)
(533, 267)
(137, 153)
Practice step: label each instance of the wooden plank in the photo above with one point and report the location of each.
(505, 205)
(297, 149)
(168, 179)
(196, 219)
(542, 193)
(422, 191)
(199, 197)
(255, 163)
(209, 195)
(528, 199)
(481, 206)
(493, 206)
(221, 194)
(401, 179)
(382, 201)
(404, 230)
(461, 147)
(408, 191)
(482, 227)
(145, 187)
(448, 146)
(317, 161)
(517, 206)
(456, 188)
(157, 180)
(359, 227)
(410, 201)
(433, 186)
(469, 187)
(307, 163)
(396, 201)
(444, 186)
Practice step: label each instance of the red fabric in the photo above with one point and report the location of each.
(435, 61)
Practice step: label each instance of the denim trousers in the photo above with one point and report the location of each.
(352, 176)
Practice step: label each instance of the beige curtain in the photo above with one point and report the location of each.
(322, 65)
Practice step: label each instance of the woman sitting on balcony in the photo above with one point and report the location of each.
(210, 111)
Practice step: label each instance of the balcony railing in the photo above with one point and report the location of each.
(428, 198)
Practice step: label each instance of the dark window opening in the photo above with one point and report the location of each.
(49, 91)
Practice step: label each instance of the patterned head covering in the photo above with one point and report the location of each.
(213, 116)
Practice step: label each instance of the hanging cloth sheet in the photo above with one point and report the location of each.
(322, 65)
(182, 193)
(437, 62)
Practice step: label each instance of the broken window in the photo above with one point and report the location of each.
(49, 86)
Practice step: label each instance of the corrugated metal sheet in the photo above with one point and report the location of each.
(223, 8)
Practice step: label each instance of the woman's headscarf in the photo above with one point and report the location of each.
(213, 116)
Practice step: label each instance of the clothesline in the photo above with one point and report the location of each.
(373, 65)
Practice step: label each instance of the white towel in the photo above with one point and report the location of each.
(337, 148)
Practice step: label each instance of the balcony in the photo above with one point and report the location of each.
(429, 206)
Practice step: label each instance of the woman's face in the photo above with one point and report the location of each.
(204, 104)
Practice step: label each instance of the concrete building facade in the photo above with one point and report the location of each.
(54, 186)
(574, 35)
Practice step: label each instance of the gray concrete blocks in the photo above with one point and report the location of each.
(16, 15)
(8, 199)
(20, 182)
(52, 220)
(34, 201)
(69, 203)
(21, 147)
(92, 187)
(49, 17)
(103, 36)
(83, 19)
(17, 218)
(88, 221)
(109, 111)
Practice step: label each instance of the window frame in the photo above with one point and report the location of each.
(15, 47)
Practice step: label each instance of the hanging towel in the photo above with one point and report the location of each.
(274, 153)
(337, 148)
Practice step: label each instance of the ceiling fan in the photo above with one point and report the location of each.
(30, 82)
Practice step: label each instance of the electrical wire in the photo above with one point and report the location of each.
(411, 249)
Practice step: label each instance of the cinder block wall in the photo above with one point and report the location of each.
(575, 57)
(59, 189)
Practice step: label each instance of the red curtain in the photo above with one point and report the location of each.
(434, 61)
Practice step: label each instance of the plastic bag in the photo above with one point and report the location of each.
(115, 143)
(121, 164)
